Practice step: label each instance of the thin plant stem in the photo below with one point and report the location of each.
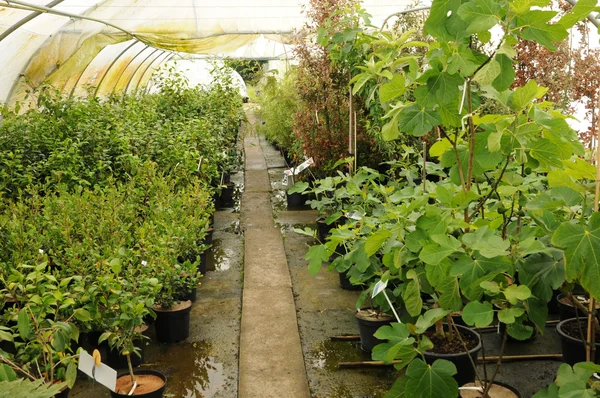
(464, 344)
(130, 369)
(490, 382)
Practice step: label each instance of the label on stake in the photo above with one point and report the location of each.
(103, 374)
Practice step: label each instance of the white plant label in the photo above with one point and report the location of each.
(295, 171)
(103, 374)
(284, 178)
(380, 288)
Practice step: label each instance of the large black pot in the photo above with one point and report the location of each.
(323, 229)
(173, 325)
(295, 201)
(367, 329)
(573, 349)
(567, 311)
(202, 266)
(466, 372)
(225, 199)
(64, 393)
(154, 394)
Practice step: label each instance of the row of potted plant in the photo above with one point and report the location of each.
(90, 258)
(495, 213)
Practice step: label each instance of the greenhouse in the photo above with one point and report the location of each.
(299, 198)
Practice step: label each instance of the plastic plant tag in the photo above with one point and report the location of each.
(380, 288)
(305, 165)
(284, 179)
(355, 215)
(103, 374)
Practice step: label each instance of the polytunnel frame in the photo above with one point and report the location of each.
(37, 10)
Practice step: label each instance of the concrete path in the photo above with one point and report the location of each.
(271, 360)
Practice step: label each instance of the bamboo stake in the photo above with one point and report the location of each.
(591, 332)
(375, 364)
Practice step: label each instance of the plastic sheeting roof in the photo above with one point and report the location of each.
(77, 53)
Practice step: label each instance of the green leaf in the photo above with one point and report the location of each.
(390, 131)
(395, 333)
(115, 265)
(486, 75)
(579, 12)
(542, 273)
(478, 314)
(59, 342)
(445, 87)
(412, 298)
(450, 298)
(545, 152)
(24, 324)
(71, 374)
(299, 187)
(395, 88)
(443, 247)
(375, 241)
(507, 73)
(429, 318)
(398, 388)
(516, 293)
(522, 96)
(431, 381)
(481, 15)
(537, 28)
(582, 252)
(508, 315)
(417, 121)
(6, 373)
(317, 255)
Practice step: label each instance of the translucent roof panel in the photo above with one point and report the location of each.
(62, 42)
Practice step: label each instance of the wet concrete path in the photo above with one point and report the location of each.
(271, 360)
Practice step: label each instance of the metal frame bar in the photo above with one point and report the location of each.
(28, 18)
(129, 64)
(137, 86)
(113, 64)
(138, 68)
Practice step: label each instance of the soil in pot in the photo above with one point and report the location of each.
(173, 324)
(571, 344)
(566, 309)
(368, 323)
(150, 384)
(498, 390)
(452, 349)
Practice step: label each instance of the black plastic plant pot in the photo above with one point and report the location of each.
(295, 201)
(323, 229)
(493, 393)
(64, 393)
(346, 284)
(466, 372)
(368, 325)
(158, 393)
(225, 200)
(573, 348)
(202, 267)
(566, 309)
(173, 324)
(208, 238)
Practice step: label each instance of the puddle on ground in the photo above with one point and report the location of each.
(219, 258)
(191, 371)
(329, 353)
(234, 228)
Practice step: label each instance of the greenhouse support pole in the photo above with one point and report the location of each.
(135, 41)
(591, 325)
(166, 54)
(28, 18)
(138, 68)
